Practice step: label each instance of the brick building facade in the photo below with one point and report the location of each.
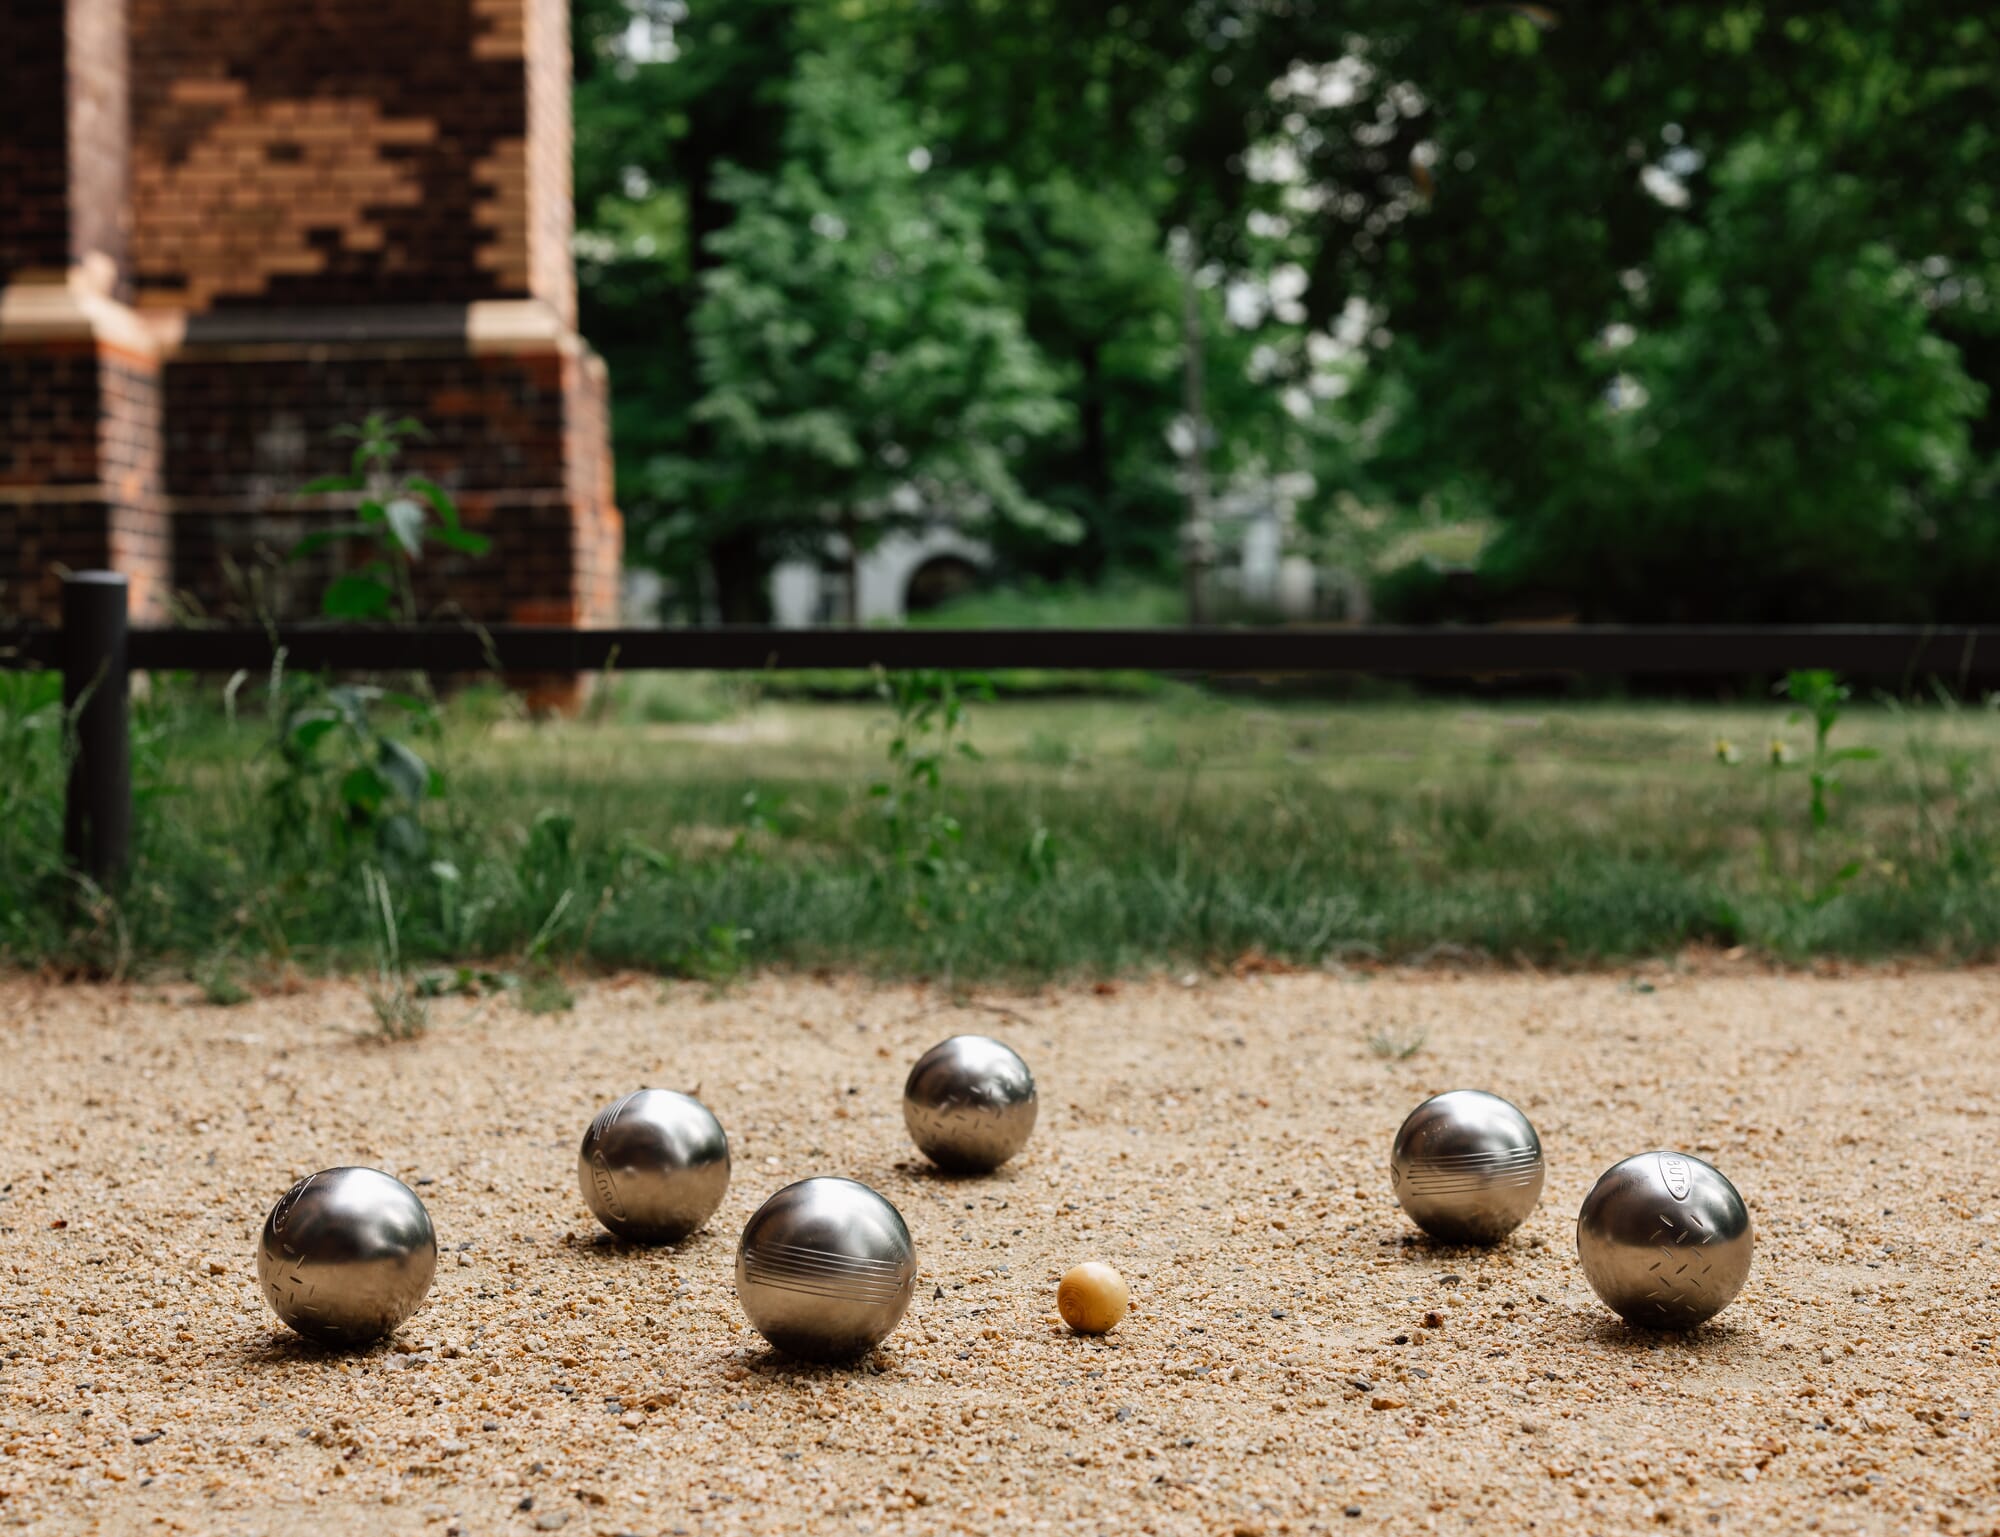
(229, 226)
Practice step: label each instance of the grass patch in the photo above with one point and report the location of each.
(1087, 838)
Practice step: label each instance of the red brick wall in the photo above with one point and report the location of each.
(246, 425)
(333, 207)
(79, 454)
(34, 140)
(313, 152)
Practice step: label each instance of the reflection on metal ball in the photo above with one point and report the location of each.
(347, 1255)
(1467, 1167)
(825, 1269)
(654, 1166)
(1664, 1239)
(969, 1103)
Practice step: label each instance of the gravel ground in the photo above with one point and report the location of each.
(1222, 1142)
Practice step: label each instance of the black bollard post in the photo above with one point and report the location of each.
(97, 822)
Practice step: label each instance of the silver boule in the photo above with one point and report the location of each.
(653, 1166)
(347, 1255)
(1467, 1166)
(1664, 1239)
(969, 1103)
(825, 1269)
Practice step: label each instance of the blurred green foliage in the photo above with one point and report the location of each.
(1694, 305)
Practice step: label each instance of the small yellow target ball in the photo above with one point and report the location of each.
(1092, 1297)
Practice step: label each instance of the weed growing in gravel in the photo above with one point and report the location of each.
(1398, 1046)
(400, 1009)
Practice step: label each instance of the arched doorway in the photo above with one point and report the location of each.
(938, 580)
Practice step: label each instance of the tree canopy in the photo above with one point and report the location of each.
(1692, 306)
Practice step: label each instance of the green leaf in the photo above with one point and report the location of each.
(436, 495)
(328, 483)
(363, 790)
(357, 595)
(463, 540)
(401, 834)
(321, 538)
(405, 772)
(353, 700)
(307, 734)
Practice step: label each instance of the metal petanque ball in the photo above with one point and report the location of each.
(654, 1166)
(1664, 1239)
(1467, 1166)
(347, 1255)
(969, 1103)
(825, 1269)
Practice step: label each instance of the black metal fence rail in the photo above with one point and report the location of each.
(97, 653)
(1881, 651)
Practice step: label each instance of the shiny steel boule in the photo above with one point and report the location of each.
(825, 1269)
(347, 1255)
(654, 1166)
(1467, 1166)
(1664, 1239)
(969, 1103)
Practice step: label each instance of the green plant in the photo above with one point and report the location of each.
(924, 836)
(543, 991)
(340, 772)
(395, 515)
(401, 1012)
(1820, 695)
(1397, 1047)
(718, 957)
(215, 975)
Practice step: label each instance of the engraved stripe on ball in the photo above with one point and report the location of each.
(1469, 1173)
(790, 1267)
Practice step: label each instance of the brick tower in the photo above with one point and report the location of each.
(229, 226)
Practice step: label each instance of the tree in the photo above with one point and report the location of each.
(1477, 196)
(664, 93)
(860, 364)
(1777, 445)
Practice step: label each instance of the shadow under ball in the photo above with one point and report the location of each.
(825, 1269)
(1665, 1240)
(654, 1166)
(969, 1104)
(347, 1255)
(1467, 1166)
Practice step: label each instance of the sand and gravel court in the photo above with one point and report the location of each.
(1223, 1143)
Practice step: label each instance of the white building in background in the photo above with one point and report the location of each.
(1262, 572)
(903, 573)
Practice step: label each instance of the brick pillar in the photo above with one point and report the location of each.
(79, 375)
(355, 205)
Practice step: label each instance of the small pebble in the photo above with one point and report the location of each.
(1092, 1297)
